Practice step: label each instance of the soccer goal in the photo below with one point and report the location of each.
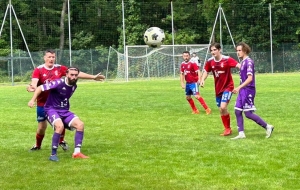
(145, 63)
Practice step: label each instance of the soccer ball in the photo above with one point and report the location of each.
(154, 37)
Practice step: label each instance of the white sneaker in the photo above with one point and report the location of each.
(269, 130)
(240, 136)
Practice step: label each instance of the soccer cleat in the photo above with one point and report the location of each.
(269, 130)
(34, 148)
(208, 111)
(240, 136)
(53, 158)
(64, 145)
(195, 111)
(79, 155)
(226, 132)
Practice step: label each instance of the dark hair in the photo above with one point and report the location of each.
(245, 47)
(73, 69)
(49, 51)
(216, 45)
(186, 52)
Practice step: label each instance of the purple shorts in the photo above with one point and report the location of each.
(245, 100)
(64, 115)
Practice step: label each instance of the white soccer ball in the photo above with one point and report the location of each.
(154, 37)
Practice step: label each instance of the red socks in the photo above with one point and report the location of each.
(202, 102)
(39, 140)
(226, 121)
(62, 136)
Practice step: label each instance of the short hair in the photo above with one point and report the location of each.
(49, 51)
(245, 47)
(186, 52)
(216, 45)
(73, 69)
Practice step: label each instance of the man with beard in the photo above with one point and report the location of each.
(57, 109)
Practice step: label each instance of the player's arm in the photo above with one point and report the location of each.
(182, 80)
(203, 78)
(245, 83)
(97, 77)
(37, 92)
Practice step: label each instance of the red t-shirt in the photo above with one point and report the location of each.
(190, 70)
(45, 75)
(222, 73)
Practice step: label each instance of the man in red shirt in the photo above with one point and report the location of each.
(44, 74)
(191, 74)
(220, 66)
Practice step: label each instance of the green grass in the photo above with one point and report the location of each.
(142, 135)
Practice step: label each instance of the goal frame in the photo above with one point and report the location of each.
(188, 46)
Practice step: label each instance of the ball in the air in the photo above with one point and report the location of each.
(154, 37)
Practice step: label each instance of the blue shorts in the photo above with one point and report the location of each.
(66, 117)
(191, 89)
(226, 96)
(40, 114)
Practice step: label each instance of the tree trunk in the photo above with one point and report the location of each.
(62, 31)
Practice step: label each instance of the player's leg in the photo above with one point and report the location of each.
(223, 102)
(41, 129)
(196, 93)
(75, 123)
(239, 104)
(249, 108)
(62, 143)
(56, 122)
(269, 128)
(188, 93)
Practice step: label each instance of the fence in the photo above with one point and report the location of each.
(95, 25)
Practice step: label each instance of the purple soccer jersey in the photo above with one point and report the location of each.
(245, 99)
(60, 93)
(57, 105)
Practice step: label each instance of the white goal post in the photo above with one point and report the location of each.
(144, 63)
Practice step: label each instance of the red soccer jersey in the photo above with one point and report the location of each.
(45, 75)
(190, 71)
(222, 73)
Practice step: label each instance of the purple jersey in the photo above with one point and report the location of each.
(60, 93)
(245, 99)
(247, 68)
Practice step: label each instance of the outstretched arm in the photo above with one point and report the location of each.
(37, 92)
(97, 77)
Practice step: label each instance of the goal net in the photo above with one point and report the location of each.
(145, 63)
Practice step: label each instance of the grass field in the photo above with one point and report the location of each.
(142, 135)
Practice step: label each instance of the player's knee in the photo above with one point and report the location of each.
(248, 114)
(79, 125)
(58, 127)
(188, 97)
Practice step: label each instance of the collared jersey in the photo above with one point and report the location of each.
(190, 71)
(46, 75)
(221, 71)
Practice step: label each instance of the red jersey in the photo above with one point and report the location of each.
(190, 70)
(45, 75)
(222, 73)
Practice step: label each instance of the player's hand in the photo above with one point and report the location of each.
(30, 88)
(202, 83)
(99, 77)
(31, 104)
(236, 90)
